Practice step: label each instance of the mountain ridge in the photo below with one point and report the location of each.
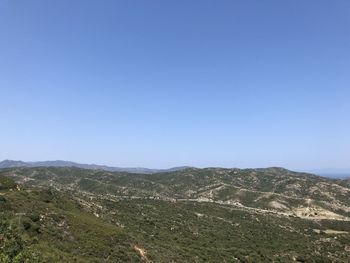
(60, 163)
(143, 170)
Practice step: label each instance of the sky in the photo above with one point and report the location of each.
(159, 84)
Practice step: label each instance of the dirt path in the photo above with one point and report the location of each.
(142, 252)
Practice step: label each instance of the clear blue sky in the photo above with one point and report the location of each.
(167, 83)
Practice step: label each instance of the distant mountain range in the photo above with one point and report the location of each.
(60, 163)
(332, 173)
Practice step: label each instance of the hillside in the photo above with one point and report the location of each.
(273, 189)
(46, 226)
(194, 215)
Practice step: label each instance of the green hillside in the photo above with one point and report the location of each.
(46, 226)
(194, 215)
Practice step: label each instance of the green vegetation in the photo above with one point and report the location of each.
(7, 183)
(195, 215)
(45, 226)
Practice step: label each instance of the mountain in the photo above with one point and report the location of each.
(187, 215)
(10, 164)
(59, 163)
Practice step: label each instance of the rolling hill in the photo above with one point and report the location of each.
(190, 215)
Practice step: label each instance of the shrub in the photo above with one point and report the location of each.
(6, 183)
